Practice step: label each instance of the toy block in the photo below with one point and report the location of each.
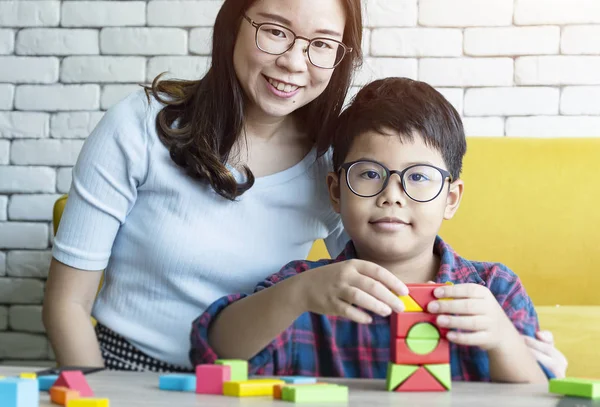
(421, 380)
(402, 323)
(402, 355)
(315, 393)
(250, 388)
(88, 403)
(28, 376)
(571, 386)
(74, 380)
(16, 392)
(423, 293)
(45, 382)
(210, 378)
(397, 374)
(410, 304)
(442, 373)
(239, 368)
(278, 388)
(177, 382)
(421, 346)
(61, 395)
(298, 379)
(423, 330)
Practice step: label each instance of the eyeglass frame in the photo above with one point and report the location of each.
(389, 173)
(257, 26)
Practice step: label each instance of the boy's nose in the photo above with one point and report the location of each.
(393, 194)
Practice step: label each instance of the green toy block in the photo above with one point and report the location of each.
(423, 330)
(421, 346)
(315, 393)
(239, 368)
(442, 374)
(397, 374)
(571, 386)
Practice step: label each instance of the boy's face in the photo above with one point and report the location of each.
(391, 226)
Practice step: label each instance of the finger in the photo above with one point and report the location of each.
(360, 298)
(469, 323)
(377, 290)
(346, 310)
(545, 336)
(458, 307)
(543, 359)
(479, 338)
(461, 291)
(539, 345)
(382, 275)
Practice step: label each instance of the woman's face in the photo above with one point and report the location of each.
(277, 85)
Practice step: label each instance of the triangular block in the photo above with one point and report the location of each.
(74, 380)
(409, 304)
(421, 380)
(441, 373)
(423, 293)
(397, 374)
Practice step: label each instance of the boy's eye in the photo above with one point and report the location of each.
(416, 177)
(370, 175)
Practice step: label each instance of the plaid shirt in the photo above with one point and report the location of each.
(320, 345)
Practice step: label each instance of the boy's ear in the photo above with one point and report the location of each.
(333, 185)
(453, 199)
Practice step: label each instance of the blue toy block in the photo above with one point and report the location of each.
(45, 382)
(19, 393)
(298, 379)
(177, 382)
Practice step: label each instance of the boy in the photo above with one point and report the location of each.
(397, 157)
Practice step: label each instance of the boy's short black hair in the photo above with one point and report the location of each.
(409, 108)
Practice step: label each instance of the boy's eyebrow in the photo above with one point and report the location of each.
(406, 165)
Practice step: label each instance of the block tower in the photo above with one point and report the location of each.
(419, 350)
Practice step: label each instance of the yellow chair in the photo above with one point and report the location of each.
(532, 205)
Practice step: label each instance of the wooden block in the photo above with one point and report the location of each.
(421, 346)
(421, 380)
(61, 395)
(315, 393)
(298, 379)
(571, 386)
(397, 374)
(401, 323)
(402, 355)
(239, 368)
(410, 305)
(45, 382)
(250, 388)
(88, 402)
(75, 380)
(422, 293)
(177, 382)
(16, 392)
(442, 374)
(28, 376)
(278, 388)
(210, 378)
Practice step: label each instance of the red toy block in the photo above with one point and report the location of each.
(400, 323)
(423, 293)
(210, 378)
(74, 380)
(421, 380)
(402, 355)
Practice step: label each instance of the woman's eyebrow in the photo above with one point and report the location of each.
(286, 22)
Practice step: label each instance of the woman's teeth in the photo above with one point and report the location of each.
(287, 88)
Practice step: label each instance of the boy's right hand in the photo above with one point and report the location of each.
(339, 289)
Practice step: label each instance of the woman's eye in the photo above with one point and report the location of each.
(321, 44)
(277, 33)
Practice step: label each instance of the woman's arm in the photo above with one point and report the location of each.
(68, 301)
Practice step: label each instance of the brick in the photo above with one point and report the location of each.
(4, 153)
(111, 94)
(45, 152)
(63, 181)
(455, 96)
(553, 126)
(391, 13)
(580, 40)
(512, 101)
(531, 12)
(178, 67)
(28, 263)
(26, 318)
(102, 69)
(57, 97)
(144, 41)
(29, 13)
(3, 217)
(103, 13)
(31, 207)
(508, 41)
(557, 70)
(580, 100)
(24, 125)
(201, 41)
(76, 125)
(57, 41)
(26, 179)
(29, 69)
(416, 42)
(15, 345)
(466, 72)
(465, 13)
(484, 126)
(3, 315)
(174, 13)
(7, 94)
(378, 68)
(23, 235)
(7, 41)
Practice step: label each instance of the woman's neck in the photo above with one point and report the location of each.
(264, 128)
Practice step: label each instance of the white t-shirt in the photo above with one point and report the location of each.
(170, 245)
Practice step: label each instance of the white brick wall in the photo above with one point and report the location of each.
(510, 67)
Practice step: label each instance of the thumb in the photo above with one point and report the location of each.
(545, 336)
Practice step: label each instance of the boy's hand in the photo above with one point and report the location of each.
(475, 312)
(546, 353)
(339, 289)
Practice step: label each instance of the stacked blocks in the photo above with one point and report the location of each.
(74, 380)
(419, 350)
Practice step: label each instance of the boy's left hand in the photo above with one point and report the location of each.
(475, 312)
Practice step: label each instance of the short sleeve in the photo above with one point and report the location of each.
(111, 166)
(337, 239)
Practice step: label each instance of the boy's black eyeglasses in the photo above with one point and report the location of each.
(421, 182)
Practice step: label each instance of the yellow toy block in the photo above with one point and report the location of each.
(28, 376)
(250, 388)
(410, 305)
(85, 402)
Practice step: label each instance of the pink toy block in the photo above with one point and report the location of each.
(210, 378)
(74, 380)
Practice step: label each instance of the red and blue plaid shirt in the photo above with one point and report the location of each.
(327, 346)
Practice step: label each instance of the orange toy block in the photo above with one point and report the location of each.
(400, 323)
(402, 355)
(61, 395)
(74, 380)
(423, 293)
(421, 380)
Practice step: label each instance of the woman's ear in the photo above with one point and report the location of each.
(453, 199)
(333, 184)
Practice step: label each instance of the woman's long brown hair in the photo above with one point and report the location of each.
(202, 119)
